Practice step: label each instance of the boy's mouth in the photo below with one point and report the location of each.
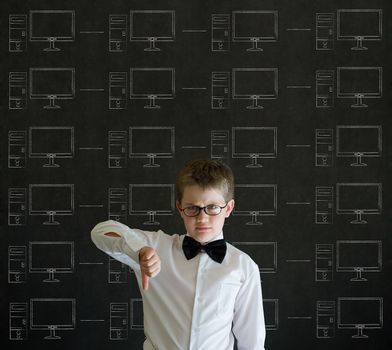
(202, 228)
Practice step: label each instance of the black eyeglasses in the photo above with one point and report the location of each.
(210, 209)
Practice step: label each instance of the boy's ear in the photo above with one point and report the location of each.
(229, 207)
(178, 206)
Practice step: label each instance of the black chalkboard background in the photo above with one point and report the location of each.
(305, 289)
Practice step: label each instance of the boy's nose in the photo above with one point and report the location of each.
(202, 216)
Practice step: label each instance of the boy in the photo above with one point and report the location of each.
(203, 291)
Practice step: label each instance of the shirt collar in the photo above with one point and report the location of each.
(218, 236)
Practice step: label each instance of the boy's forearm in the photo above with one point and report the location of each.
(112, 234)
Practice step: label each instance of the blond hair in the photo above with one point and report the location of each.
(206, 173)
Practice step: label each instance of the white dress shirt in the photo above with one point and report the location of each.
(195, 304)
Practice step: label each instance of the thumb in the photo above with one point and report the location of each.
(145, 280)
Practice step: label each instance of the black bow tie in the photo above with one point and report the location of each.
(216, 250)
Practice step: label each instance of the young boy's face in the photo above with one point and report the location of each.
(203, 227)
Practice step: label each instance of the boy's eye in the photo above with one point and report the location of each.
(192, 208)
(212, 207)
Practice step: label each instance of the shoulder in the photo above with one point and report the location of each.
(236, 253)
(241, 259)
(159, 237)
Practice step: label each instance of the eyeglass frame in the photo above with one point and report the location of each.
(202, 208)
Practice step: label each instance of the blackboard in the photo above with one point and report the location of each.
(103, 102)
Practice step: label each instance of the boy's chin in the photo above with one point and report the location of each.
(203, 237)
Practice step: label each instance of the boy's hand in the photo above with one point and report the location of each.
(150, 265)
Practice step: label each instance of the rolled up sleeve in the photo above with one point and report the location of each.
(124, 248)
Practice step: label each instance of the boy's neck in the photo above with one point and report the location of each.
(215, 238)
